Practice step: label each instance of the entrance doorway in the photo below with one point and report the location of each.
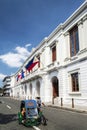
(55, 86)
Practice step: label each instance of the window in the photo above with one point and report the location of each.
(75, 82)
(74, 41)
(53, 53)
(32, 111)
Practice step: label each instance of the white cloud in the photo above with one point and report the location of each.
(22, 50)
(27, 45)
(11, 59)
(16, 59)
(2, 76)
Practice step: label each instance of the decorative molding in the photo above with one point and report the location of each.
(66, 34)
(52, 64)
(82, 51)
(54, 42)
(73, 58)
(66, 59)
(85, 18)
(74, 93)
(80, 22)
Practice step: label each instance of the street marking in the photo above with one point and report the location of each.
(36, 128)
(8, 107)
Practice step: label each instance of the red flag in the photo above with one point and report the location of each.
(31, 64)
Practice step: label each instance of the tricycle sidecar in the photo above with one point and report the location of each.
(31, 116)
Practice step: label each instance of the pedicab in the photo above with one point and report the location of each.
(32, 116)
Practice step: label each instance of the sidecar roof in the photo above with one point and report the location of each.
(29, 103)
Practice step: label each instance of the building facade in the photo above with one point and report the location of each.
(6, 85)
(61, 73)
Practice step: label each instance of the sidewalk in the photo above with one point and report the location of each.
(80, 109)
(77, 108)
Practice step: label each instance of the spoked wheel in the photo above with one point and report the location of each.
(43, 120)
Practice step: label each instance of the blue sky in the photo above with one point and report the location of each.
(24, 24)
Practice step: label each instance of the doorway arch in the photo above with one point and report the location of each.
(55, 86)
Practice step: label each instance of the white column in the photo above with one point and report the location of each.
(82, 29)
(47, 89)
(80, 35)
(42, 60)
(57, 54)
(85, 31)
(67, 45)
(47, 55)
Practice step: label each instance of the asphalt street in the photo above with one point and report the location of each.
(58, 119)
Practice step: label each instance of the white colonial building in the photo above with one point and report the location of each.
(61, 74)
(7, 85)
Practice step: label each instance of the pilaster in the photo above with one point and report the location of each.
(85, 30)
(82, 29)
(80, 35)
(67, 45)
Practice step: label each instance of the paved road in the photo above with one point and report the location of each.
(57, 119)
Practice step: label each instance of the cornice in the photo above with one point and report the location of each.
(85, 17)
(75, 14)
(60, 28)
